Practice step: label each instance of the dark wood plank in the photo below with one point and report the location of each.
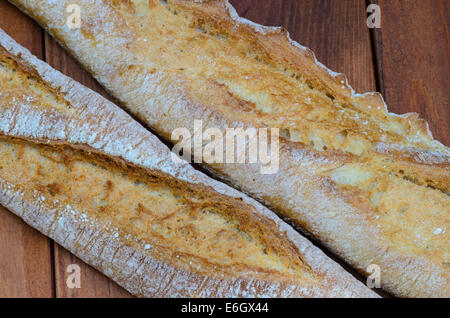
(335, 30)
(20, 27)
(413, 60)
(93, 283)
(25, 254)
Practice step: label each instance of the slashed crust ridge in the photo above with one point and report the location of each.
(279, 83)
(183, 223)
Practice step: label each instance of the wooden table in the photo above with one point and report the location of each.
(406, 59)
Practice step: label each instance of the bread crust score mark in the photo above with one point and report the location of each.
(346, 163)
(83, 172)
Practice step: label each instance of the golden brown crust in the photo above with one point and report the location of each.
(371, 185)
(190, 240)
(81, 171)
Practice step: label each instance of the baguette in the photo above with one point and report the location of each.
(371, 185)
(83, 172)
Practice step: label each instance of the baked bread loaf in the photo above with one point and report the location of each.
(80, 170)
(371, 185)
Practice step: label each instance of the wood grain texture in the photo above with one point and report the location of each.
(412, 48)
(25, 254)
(93, 283)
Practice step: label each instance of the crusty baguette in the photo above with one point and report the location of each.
(80, 170)
(371, 185)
